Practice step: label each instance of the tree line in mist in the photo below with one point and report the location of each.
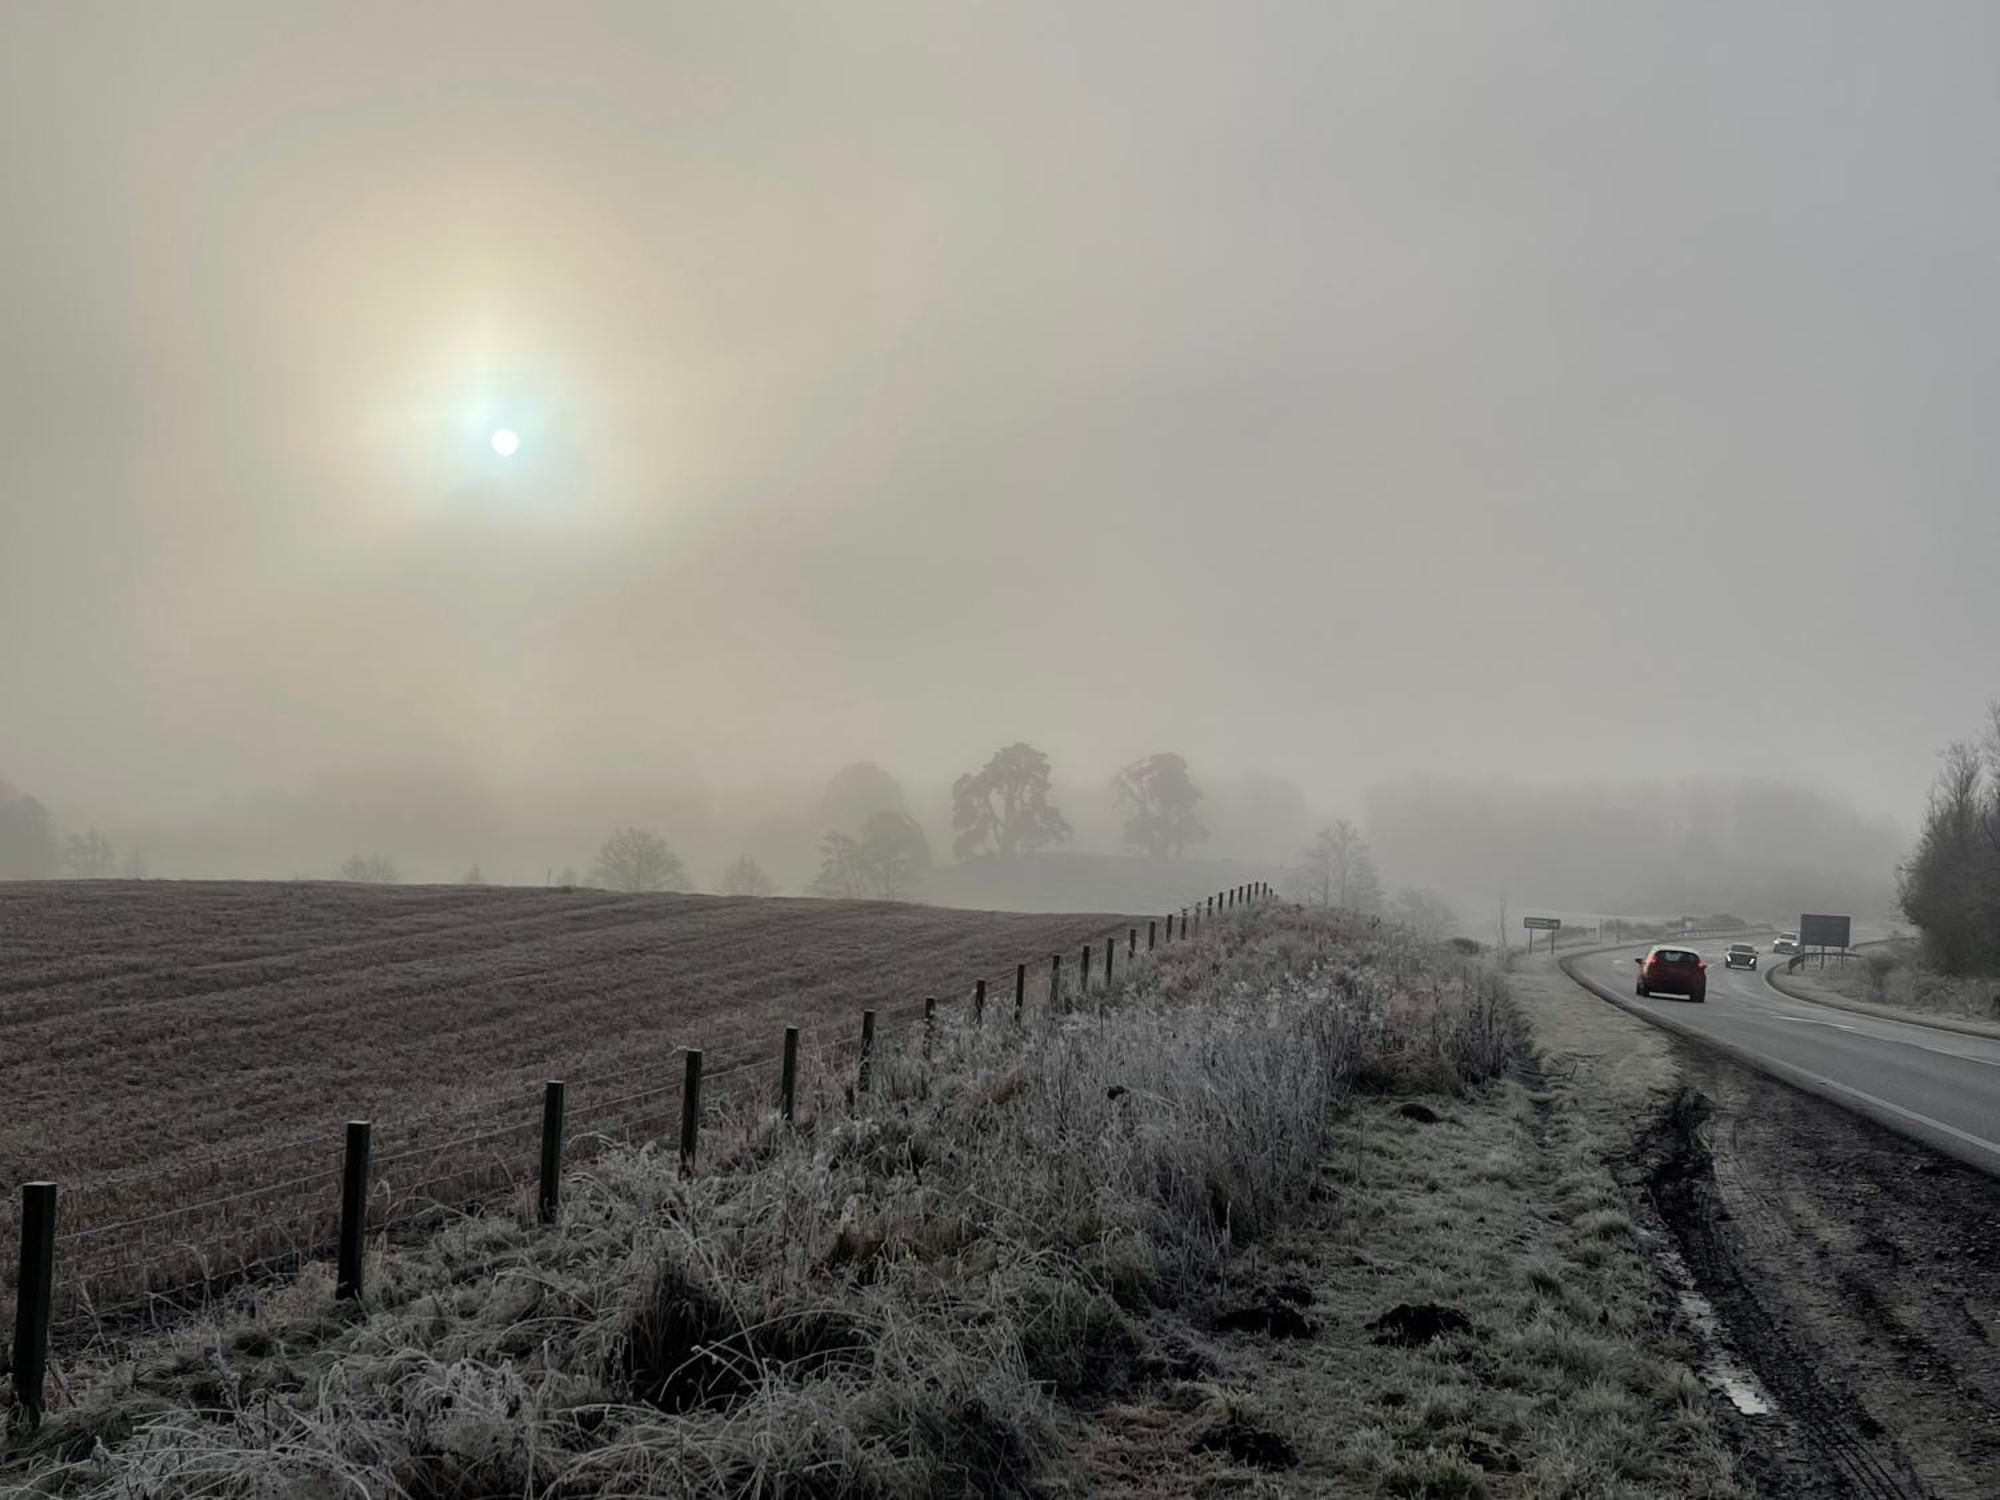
(987, 836)
(1761, 847)
(870, 841)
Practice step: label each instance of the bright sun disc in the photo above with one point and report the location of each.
(505, 442)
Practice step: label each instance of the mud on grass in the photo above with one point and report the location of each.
(1488, 1324)
(1488, 1317)
(1855, 1271)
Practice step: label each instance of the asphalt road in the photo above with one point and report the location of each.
(1939, 1086)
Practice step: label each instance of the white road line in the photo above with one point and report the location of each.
(1992, 1148)
(1892, 1041)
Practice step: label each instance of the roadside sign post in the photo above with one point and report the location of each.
(1550, 925)
(1822, 932)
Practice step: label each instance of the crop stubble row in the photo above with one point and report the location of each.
(167, 1044)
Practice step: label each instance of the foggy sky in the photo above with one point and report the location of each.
(1344, 392)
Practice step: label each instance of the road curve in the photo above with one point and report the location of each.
(1941, 1087)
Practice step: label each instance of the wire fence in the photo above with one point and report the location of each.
(118, 1265)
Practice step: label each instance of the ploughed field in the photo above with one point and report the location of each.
(181, 1057)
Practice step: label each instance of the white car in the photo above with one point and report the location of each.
(1788, 942)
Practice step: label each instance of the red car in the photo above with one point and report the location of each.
(1679, 971)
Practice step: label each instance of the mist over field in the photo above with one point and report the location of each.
(1554, 440)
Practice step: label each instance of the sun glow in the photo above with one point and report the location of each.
(506, 442)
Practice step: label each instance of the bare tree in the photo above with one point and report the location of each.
(1004, 808)
(473, 876)
(842, 870)
(746, 878)
(896, 854)
(89, 856)
(1427, 914)
(636, 860)
(368, 869)
(888, 862)
(1337, 870)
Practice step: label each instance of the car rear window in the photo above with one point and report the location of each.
(1676, 956)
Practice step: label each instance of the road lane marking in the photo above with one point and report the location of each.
(1891, 1041)
(1991, 1147)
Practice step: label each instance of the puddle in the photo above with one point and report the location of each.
(1718, 1367)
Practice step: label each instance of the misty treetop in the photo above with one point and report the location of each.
(1004, 807)
(858, 791)
(1160, 797)
(28, 848)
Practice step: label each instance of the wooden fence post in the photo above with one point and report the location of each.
(867, 1051)
(1110, 948)
(34, 1291)
(552, 1149)
(788, 1075)
(1020, 991)
(1055, 982)
(353, 1211)
(979, 1003)
(690, 1109)
(930, 1023)
(1083, 979)
(1132, 943)
(1152, 933)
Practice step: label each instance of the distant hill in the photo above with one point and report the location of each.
(1066, 882)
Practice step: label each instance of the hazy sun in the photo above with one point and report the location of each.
(505, 442)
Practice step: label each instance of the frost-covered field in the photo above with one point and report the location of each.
(162, 1043)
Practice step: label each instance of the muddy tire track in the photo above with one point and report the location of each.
(1857, 1274)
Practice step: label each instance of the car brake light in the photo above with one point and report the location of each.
(1701, 966)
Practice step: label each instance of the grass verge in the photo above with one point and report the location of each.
(1894, 974)
(1488, 1319)
(1274, 1208)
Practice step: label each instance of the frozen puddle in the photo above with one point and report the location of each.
(1719, 1369)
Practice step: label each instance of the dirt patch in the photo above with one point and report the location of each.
(1248, 1442)
(1418, 1323)
(1855, 1272)
(1274, 1310)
